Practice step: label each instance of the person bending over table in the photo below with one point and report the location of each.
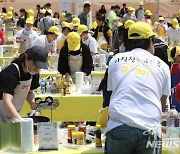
(18, 80)
(74, 56)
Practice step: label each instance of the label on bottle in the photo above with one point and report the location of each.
(98, 142)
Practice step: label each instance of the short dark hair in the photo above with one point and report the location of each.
(140, 43)
(86, 5)
(100, 18)
(112, 7)
(22, 10)
(124, 4)
(48, 4)
(173, 52)
(116, 7)
(38, 6)
(64, 28)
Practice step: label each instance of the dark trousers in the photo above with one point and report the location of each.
(129, 140)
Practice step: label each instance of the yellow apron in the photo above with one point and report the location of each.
(102, 41)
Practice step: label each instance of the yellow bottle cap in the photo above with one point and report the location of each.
(71, 126)
(80, 134)
(98, 127)
(74, 134)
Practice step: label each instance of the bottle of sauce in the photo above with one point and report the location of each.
(71, 129)
(80, 138)
(98, 136)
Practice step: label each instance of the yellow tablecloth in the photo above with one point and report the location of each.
(71, 108)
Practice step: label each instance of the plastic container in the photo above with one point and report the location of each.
(80, 138)
(98, 136)
(71, 129)
(172, 124)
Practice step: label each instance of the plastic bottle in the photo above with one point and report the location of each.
(71, 129)
(42, 84)
(55, 58)
(80, 138)
(48, 88)
(172, 123)
(52, 85)
(74, 138)
(98, 136)
(82, 128)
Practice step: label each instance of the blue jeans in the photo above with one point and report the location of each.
(129, 140)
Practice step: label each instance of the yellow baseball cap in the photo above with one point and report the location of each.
(10, 9)
(179, 12)
(161, 19)
(4, 15)
(30, 12)
(43, 11)
(140, 3)
(50, 11)
(177, 51)
(155, 24)
(148, 12)
(29, 21)
(133, 10)
(81, 29)
(76, 21)
(74, 41)
(63, 16)
(128, 23)
(174, 23)
(66, 24)
(9, 15)
(130, 8)
(141, 30)
(55, 30)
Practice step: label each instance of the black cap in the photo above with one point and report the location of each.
(39, 56)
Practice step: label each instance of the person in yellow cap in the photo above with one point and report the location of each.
(74, 57)
(48, 41)
(76, 23)
(147, 17)
(37, 20)
(87, 39)
(127, 24)
(26, 36)
(129, 15)
(173, 33)
(161, 28)
(175, 73)
(30, 13)
(10, 9)
(137, 99)
(46, 22)
(140, 12)
(9, 22)
(66, 29)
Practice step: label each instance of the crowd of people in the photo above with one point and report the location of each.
(137, 83)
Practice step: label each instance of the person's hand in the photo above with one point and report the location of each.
(33, 106)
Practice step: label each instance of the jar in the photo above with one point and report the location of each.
(80, 138)
(71, 129)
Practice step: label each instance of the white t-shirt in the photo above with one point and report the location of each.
(28, 37)
(173, 36)
(42, 41)
(136, 102)
(92, 43)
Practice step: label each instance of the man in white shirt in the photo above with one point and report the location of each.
(87, 39)
(173, 33)
(140, 84)
(26, 36)
(48, 41)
